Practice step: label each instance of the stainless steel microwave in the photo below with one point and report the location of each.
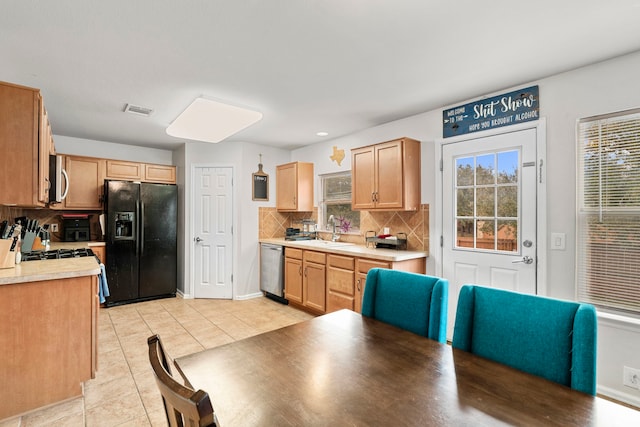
(57, 174)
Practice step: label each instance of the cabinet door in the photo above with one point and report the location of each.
(363, 178)
(293, 279)
(286, 187)
(389, 174)
(363, 266)
(340, 283)
(100, 252)
(116, 169)
(85, 182)
(44, 148)
(294, 187)
(19, 135)
(360, 278)
(314, 286)
(160, 173)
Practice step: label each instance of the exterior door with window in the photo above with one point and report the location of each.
(489, 214)
(213, 239)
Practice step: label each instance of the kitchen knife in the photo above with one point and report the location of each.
(13, 245)
(4, 227)
(11, 230)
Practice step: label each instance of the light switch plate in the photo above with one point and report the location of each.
(558, 241)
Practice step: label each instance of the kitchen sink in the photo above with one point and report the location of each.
(323, 243)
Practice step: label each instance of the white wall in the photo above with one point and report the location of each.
(605, 87)
(244, 159)
(111, 150)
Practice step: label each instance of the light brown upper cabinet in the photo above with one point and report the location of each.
(135, 171)
(160, 174)
(386, 176)
(129, 171)
(86, 181)
(25, 142)
(294, 187)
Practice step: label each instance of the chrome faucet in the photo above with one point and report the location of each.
(334, 234)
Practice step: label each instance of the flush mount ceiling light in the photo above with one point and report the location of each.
(211, 121)
(322, 133)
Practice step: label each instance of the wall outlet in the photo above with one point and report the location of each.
(54, 228)
(631, 377)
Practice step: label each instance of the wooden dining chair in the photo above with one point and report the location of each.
(183, 406)
(411, 301)
(551, 338)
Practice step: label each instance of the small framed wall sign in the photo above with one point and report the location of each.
(260, 184)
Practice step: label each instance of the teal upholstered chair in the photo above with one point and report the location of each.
(411, 301)
(551, 338)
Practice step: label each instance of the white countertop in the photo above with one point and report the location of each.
(344, 248)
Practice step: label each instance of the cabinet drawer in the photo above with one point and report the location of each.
(340, 280)
(317, 257)
(338, 301)
(339, 261)
(293, 253)
(364, 265)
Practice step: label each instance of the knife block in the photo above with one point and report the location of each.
(7, 258)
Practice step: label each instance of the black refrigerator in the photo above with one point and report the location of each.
(141, 241)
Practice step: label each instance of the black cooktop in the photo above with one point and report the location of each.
(56, 254)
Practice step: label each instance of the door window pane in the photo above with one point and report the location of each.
(487, 201)
(464, 171)
(465, 233)
(485, 169)
(464, 202)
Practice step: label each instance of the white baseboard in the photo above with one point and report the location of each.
(249, 296)
(619, 395)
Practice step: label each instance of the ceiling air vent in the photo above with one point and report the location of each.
(136, 109)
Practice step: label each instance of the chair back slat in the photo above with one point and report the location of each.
(183, 405)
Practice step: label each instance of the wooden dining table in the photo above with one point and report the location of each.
(344, 369)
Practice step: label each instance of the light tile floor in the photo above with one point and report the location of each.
(124, 392)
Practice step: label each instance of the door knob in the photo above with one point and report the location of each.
(198, 240)
(525, 259)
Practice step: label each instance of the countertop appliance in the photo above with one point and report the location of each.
(272, 271)
(76, 229)
(140, 240)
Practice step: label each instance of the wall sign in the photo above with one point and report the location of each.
(260, 183)
(502, 110)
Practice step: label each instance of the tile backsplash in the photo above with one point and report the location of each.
(414, 224)
(49, 216)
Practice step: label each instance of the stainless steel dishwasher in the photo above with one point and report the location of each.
(272, 271)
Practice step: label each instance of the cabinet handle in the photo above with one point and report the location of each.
(305, 271)
(300, 270)
(358, 285)
(373, 196)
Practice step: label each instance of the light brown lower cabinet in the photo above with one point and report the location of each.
(313, 280)
(293, 275)
(48, 340)
(326, 282)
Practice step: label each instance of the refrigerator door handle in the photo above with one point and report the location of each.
(141, 233)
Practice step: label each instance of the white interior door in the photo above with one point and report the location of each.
(489, 214)
(213, 225)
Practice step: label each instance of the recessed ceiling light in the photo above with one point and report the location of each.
(322, 133)
(211, 121)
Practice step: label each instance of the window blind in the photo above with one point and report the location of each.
(608, 223)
